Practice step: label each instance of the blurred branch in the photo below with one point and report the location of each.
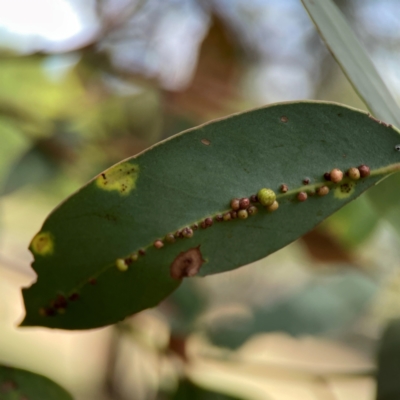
(110, 387)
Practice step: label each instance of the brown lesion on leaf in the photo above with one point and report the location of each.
(8, 386)
(187, 263)
(205, 142)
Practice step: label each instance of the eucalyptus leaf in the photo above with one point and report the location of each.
(18, 384)
(101, 255)
(353, 59)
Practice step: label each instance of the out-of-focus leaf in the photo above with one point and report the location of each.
(389, 363)
(25, 83)
(40, 163)
(85, 246)
(328, 304)
(31, 169)
(18, 384)
(385, 200)
(353, 59)
(355, 222)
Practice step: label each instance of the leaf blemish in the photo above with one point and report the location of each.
(205, 142)
(187, 263)
(345, 190)
(121, 178)
(284, 118)
(42, 244)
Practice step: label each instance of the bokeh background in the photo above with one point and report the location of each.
(86, 84)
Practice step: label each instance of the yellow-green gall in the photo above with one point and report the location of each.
(266, 196)
(243, 214)
(336, 175)
(121, 264)
(170, 238)
(134, 256)
(273, 207)
(353, 173)
(252, 210)
(226, 216)
(322, 191)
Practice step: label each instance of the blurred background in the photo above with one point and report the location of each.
(86, 84)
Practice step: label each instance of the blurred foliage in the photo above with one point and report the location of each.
(388, 363)
(145, 71)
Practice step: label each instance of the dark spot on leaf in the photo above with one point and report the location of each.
(206, 142)
(60, 302)
(142, 252)
(187, 263)
(47, 312)
(306, 181)
(208, 221)
(284, 118)
(103, 175)
(128, 261)
(346, 188)
(74, 296)
(92, 281)
(8, 386)
(254, 198)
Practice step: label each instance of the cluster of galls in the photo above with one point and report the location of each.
(240, 208)
(245, 207)
(59, 305)
(123, 263)
(336, 175)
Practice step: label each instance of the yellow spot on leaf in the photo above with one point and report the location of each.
(42, 244)
(345, 189)
(121, 177)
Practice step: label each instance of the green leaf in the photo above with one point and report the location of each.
(354, 223)
(385, 199)
(81, 247)
(32, 168)
(361, 72)
(353, 59)
(325, 305)
(18, 384)
(389, 363)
